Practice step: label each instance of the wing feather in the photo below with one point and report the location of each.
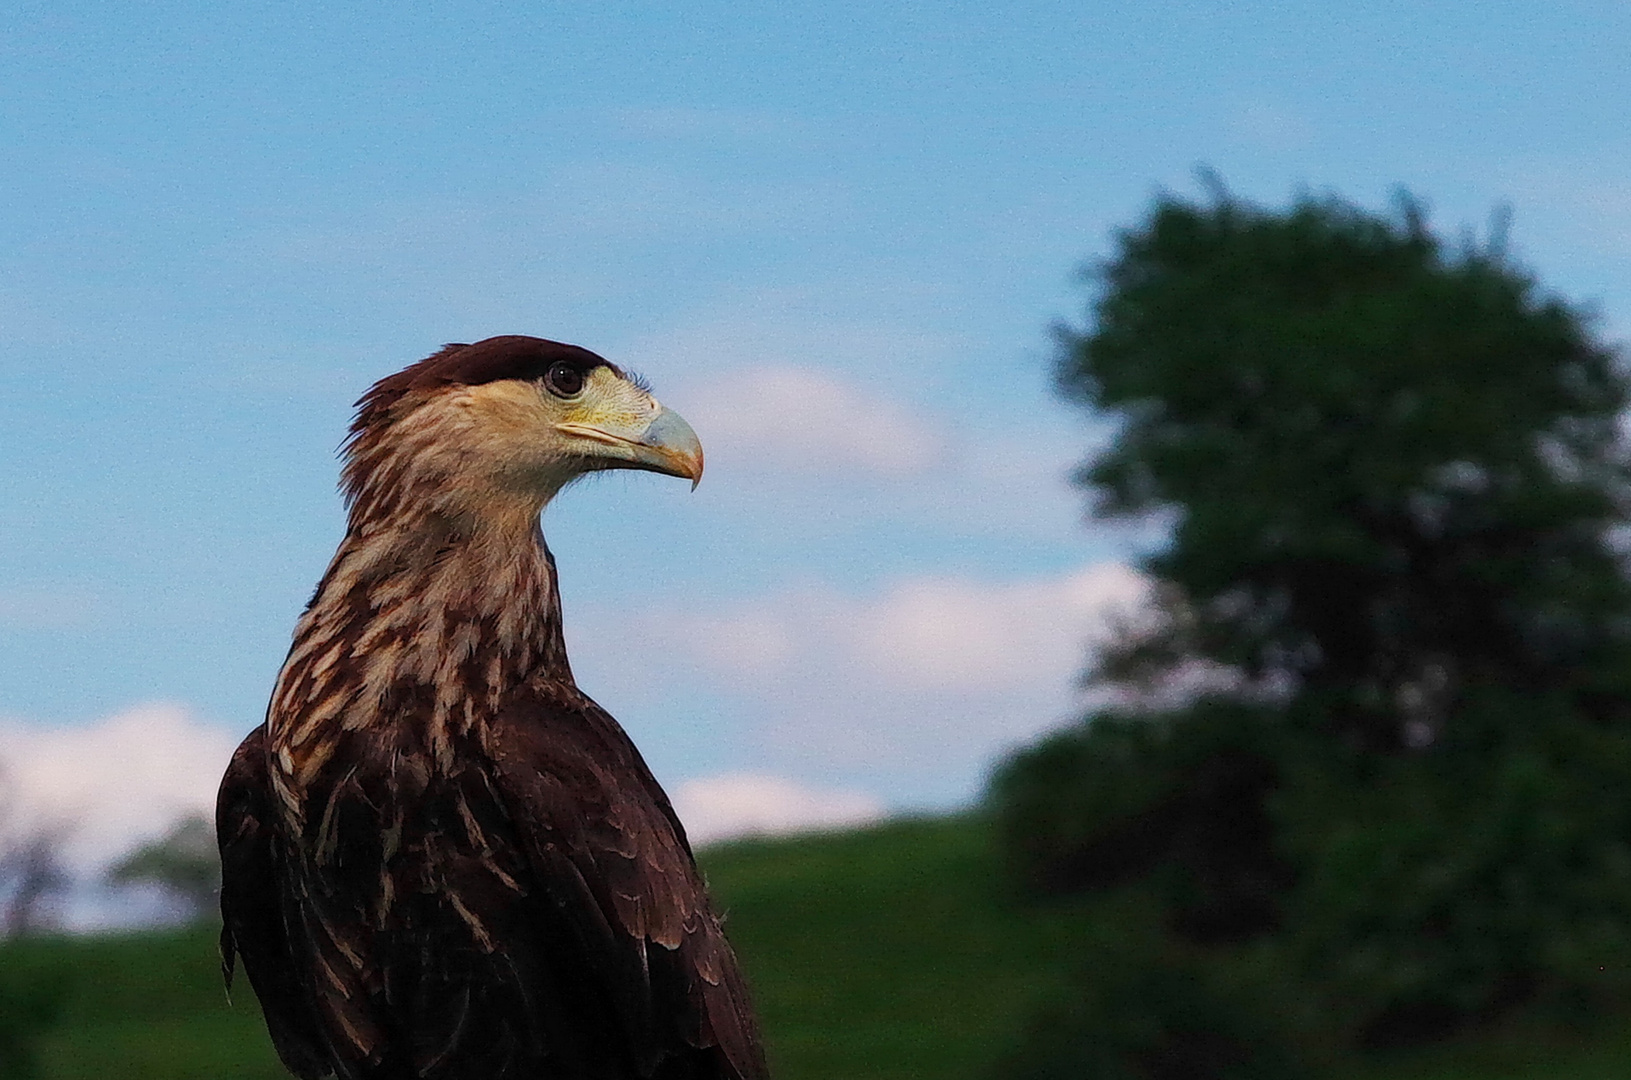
(252, 924)
(604, 842)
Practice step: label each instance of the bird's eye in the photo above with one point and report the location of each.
(564, 380)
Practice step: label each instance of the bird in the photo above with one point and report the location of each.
(441, 860)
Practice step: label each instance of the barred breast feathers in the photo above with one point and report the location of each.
(442, 591)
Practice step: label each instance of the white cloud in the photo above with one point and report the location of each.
(850, 323)
(930, 676)
(748, 804)
(833, 407)
(955, 635)
(797, 418)
(117, 781)
(971, 636)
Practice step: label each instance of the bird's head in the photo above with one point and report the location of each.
(500, 426)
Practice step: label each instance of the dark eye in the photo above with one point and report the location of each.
(564, 380)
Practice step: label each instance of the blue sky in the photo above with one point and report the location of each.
(834, 236)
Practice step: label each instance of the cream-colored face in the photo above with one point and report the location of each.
(616, 424)
(536, 436)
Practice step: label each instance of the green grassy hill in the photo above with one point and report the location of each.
(875, 955)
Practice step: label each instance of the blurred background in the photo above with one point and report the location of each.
(1288, 735)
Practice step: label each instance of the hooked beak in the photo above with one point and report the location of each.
(665, 445)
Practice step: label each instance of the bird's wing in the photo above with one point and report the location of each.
(251, 909)
(604, 844)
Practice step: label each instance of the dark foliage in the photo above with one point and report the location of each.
(1396, 479)
(28, 1007)
(1150, 1015)
(1394, 466)
(1446, 887)
(1178, 798)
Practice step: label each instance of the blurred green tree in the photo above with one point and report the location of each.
(183, 861)
(1394, 467)
(32, 880)
(1379, 710)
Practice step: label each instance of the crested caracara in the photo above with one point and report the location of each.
(440, 859)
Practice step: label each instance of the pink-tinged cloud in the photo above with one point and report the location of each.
(801, 420)
(115, 782)
(940, 672)
(733, 805)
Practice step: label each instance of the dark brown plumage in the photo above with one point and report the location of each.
(441, 859)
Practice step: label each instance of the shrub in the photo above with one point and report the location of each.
(1451, 886)
(1180, 797)
(1149, 1014)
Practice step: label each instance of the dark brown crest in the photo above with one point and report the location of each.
(511, 356)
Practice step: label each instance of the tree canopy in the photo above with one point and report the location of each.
(1379, 718)
(183, 861)
(1395, 464)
